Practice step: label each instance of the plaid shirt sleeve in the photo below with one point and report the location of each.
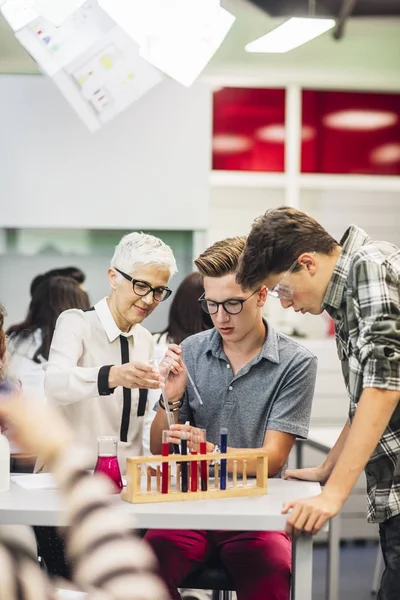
(377, 312)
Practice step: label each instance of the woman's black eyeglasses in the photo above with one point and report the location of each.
(232, 307)
(142, 288)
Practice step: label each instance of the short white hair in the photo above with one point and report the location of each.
(143, 249)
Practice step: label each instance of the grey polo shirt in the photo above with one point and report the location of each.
(273, 391)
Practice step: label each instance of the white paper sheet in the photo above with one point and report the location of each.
(56, 11)
(55, 47)
(106, 79)
(35, 481)
(18, 13)
(39, 481)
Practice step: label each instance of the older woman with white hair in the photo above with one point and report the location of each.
(98, 370)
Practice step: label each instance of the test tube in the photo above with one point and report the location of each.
(224, 448)
(149, 479)
(158, 478)
(203, 463)
(164, 465)
(194, 473)
(184, 465)
(178, 477)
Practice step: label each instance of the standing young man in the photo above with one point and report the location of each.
(258, 384)
(358, 283)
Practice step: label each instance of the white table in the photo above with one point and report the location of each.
(323, 439)
(44, 507)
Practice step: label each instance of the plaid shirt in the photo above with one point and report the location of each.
(363, 299)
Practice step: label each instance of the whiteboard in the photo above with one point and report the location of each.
(147, 169)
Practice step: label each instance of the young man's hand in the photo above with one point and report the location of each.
(310, 514)
(319, 474)
(174, 357)
(194, 436)
(175, 385)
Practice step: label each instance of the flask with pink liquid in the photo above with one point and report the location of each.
(107, 461)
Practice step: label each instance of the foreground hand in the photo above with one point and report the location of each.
(135, 375)
(36, 426)
(310, 514)
(312, 474)
(194, 436)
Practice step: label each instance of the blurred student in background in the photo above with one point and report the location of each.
(29, 341)
(108, 561)
(186, 318)
(3, 346)
(185, 315)
(74, 272)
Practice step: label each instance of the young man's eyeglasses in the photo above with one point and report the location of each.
(283, 290)
(142, 288)
(233, 306)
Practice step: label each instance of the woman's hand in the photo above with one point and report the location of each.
(135, 375)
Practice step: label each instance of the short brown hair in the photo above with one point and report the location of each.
(276, 240)
(221, 258)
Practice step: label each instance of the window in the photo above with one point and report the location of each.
(249, 129)
(350, 133)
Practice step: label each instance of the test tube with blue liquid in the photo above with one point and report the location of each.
(184, 465)
(224, 449)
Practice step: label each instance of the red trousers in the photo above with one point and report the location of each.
(259, 562)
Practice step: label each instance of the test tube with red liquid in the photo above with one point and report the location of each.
(203, 463)
(194, 474)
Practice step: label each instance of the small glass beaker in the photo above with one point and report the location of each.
(107, 461)
(162, 366)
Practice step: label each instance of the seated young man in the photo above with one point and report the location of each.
(259, 384)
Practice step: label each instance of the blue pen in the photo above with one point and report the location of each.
(224, 449)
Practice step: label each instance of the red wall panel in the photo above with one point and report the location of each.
(351, 133)
(249, 129)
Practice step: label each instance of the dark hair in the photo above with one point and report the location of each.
(221, 258)
(186, 317)
(73, 272)
(50, 298)
(276, 241)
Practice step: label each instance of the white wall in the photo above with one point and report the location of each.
(378, 212)
(33, 252)
(234, 208)
(147, 169)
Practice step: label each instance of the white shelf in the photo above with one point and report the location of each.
(248, 179)
(379, 183)
(252, 179)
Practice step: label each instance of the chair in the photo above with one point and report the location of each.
(212, 575)
(378, 571)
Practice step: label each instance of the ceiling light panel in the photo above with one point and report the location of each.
(293, 33)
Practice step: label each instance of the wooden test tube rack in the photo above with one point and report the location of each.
(139, 488)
